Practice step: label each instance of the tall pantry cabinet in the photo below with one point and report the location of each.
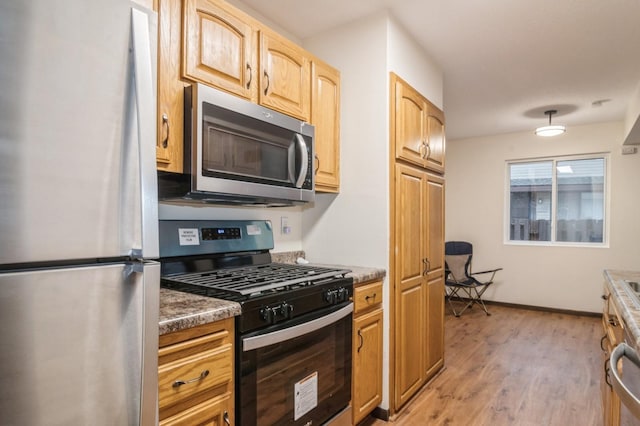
(417, 250)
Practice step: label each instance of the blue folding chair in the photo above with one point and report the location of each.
(461, 283)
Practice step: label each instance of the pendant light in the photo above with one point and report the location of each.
(550, 130)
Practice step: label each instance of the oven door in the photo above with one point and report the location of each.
(296, 374)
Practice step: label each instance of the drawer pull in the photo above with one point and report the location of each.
(370, 297)
(225, 417)
(202, 375)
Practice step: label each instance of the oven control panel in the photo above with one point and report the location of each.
(212, 234)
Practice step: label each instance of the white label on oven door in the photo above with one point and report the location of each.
(254, 230)
(189, 236)
(306, 395)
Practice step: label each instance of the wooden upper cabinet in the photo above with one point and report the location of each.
(170, 130)
(285, 83)
(435, 139)
(419, 128)
(325, 116)
(411, 126)
(219, 47)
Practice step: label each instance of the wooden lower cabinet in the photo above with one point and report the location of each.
(419, 280)
(366, 393)
(195, 375)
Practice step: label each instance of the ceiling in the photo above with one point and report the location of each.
(504, 62)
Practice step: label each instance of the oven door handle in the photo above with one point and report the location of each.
(257, 342)
(627, 397)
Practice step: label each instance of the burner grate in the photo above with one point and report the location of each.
(257, 278)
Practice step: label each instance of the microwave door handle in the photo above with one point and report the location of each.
(291, 166)
(304, 166)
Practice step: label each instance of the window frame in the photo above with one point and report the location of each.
(554, 201)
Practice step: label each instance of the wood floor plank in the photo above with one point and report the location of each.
(515, 367)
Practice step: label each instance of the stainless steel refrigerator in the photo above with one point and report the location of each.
(78, 213)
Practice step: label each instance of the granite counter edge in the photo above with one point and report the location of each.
(627, 305)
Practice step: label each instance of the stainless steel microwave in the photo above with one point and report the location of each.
(239, 152)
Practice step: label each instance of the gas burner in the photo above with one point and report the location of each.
(257, 279)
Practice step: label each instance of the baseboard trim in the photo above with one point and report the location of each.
(381, 413)
(540, 308)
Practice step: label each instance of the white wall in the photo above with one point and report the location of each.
(408, 60)
(353, 227)
(555, 277)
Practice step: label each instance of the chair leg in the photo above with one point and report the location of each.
(478, 298)
(453, 293)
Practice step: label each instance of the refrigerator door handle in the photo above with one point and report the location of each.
(145, 102)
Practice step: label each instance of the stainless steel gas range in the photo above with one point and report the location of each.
(293, 338)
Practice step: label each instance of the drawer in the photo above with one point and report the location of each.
(366, 296)
(185, 377)
(216, 411)
(201, 357)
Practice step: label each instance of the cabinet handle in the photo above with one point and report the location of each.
(165, 122)
(427, 266)
(602, 343)
(361, 340)
(613, 322)
(225, 417)
(606, 373)
(250, 75)
(202, 375)
(318, 159)
(266, 89)
(427, 151)
(423, 147)
(370, 297)
(605, 297)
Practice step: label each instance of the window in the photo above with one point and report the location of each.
(560, 200)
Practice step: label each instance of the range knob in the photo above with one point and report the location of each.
(331, 297)
(286, 310)
(342, 294)
(269, 314)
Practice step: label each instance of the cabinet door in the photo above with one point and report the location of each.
(169, 147)
(409, 282)
(434, 326)
(367, 364)
(435, 139)
(285, 82)
(410, 124)
(325, 116)
(434, 246)
(219, 47)
(434, 243)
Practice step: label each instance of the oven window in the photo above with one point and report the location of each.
(304, 379)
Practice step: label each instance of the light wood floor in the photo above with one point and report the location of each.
(515, 367)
